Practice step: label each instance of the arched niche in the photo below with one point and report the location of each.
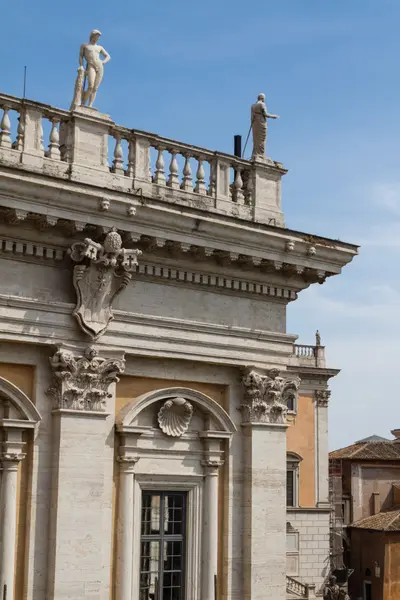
(17, 416)
(171, 439)
(16, 406)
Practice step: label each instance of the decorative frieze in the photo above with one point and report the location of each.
(266, 396)
(174, 416)
(82, 382)
(104, 271)
(322, 397)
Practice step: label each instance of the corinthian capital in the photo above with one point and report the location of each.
(266, 396)
(82, 382)
(322, 397)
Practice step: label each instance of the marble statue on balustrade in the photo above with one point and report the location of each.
(90, 53)
(259, 126)
(317, 338)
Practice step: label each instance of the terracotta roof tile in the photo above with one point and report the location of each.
(368, 451)
(383, 521)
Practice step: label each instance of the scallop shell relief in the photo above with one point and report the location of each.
(174, 416)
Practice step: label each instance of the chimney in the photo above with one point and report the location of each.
(396, 433)
(376, 503)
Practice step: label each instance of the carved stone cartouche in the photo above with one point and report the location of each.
(82, 382)
(104, 271)
(266, 396)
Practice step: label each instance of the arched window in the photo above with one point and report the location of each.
(172, 443)
(292, 479)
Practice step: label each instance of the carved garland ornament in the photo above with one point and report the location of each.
(82, 383)
(266, 396)
(174, 416)
(105, 270)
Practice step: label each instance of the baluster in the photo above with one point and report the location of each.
(212, 188)
(118, 162)
(54, 146)
(159, 176)
(238, 186)
(19, 142)
(187, 181)
(131, 158)
(40, 131)
(248, 188)
(173, 179)
(5, 129)
(200, 183)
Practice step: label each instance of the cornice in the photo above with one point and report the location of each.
(74, 204)
(42, 252)
(313, 373)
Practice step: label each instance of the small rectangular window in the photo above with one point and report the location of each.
(163, 546)
(290, 487)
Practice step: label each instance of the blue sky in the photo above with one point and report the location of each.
(190, 71)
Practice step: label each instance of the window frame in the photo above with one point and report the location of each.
(161, 538)
(294, 553)
(293, 465)
(192, 486)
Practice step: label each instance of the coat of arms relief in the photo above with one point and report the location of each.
(104, 270)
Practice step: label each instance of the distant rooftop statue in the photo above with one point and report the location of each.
(259, 116)
(93, 74)
(317, 338)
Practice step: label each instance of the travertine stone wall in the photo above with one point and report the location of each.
(313, 528)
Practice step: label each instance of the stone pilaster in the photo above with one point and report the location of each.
(83, 450)
(264, 420)
(10, 457)
(322, 447)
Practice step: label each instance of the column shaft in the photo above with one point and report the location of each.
(210, 534)
(8, 526)
(125, 533)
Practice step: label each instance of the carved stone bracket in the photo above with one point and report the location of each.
(104, 271)
(322, 397)
(266, 396)
(82, 382)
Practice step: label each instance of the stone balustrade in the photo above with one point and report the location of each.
(300, 589)
(309, 355)
(84, 145)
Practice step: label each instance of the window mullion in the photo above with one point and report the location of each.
(161, 552)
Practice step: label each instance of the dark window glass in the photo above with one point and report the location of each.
(162, 554)
(290, 487)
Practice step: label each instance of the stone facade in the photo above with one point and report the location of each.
(141, 299)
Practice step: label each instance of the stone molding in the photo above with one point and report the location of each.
(30, 250)
(266, 396)
(322, 398)
(82, 383)
(104, 271)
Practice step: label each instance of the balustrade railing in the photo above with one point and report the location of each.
(21, 127)
(302, 350)
(308, 355)
(39, 136)
(179, 166)
(303, 590)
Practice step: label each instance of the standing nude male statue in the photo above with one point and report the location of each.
(91, 53)
(259, 116)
